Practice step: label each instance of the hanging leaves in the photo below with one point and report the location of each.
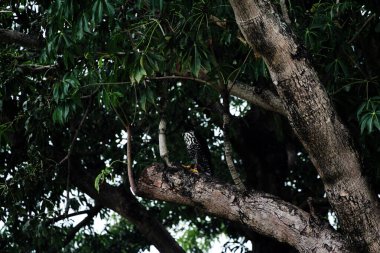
(369, 115)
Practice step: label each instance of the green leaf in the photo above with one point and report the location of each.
(101, 177)
(369, 124)
(67, 40)
(100, 11)
(79, 32)
(85, 24)
(66, 111)
(143, 102)
(56, 92)
(150, 96)
(376, 121)
(98, 179)
(196, 66)
(153, 64)
(138, 74)
(110, 8)
(57, 115)
(344, 68)
(363, 122)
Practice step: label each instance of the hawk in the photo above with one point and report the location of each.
(198, 151)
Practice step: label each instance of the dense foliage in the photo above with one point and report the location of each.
(105, 64)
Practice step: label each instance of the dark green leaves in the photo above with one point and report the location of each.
(104, 174)
(196, 64)
(65, 97)
(111, 99)
(369, 115)
(337, 68)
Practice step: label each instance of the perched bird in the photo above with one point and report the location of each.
(198, 151)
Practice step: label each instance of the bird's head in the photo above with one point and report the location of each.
(189, 136)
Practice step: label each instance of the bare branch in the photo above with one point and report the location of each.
(131, 179)
(164, 152)
(261, 97)
(177, 77)
(91, 214)
(65, 216)
(125, 204)
(263, 213)
(73, 140)
(361, 28)
(10, 36)
(67, 157)
(227, 144)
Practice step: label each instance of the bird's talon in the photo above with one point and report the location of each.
(192, 168)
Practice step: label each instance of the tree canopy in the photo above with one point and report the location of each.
(78, 77)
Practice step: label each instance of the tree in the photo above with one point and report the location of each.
(300, 76)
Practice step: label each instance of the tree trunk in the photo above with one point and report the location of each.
(314, 120)
(261, 212)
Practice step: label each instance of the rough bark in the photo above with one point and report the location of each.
(125, 204)
(314, 120)
(9, 36)
(260, 212)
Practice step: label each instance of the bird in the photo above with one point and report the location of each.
(198, 151)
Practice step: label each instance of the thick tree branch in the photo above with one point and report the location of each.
(314, 120)
(125, 204)
(10, 36)
(260, 212)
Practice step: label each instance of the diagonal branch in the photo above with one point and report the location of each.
(227, 143)
(65, 216)
(90, 215)
(263, 213)
(261, 97)
(125, 204)
(22, 39)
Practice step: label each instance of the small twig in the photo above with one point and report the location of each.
(231, 85)
(69, 150)
(68, 187)
(91, 214)
(131, 179)
(361, 28)
(179, 77)
(67, 157)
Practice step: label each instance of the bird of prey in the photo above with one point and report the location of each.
(198, 151)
